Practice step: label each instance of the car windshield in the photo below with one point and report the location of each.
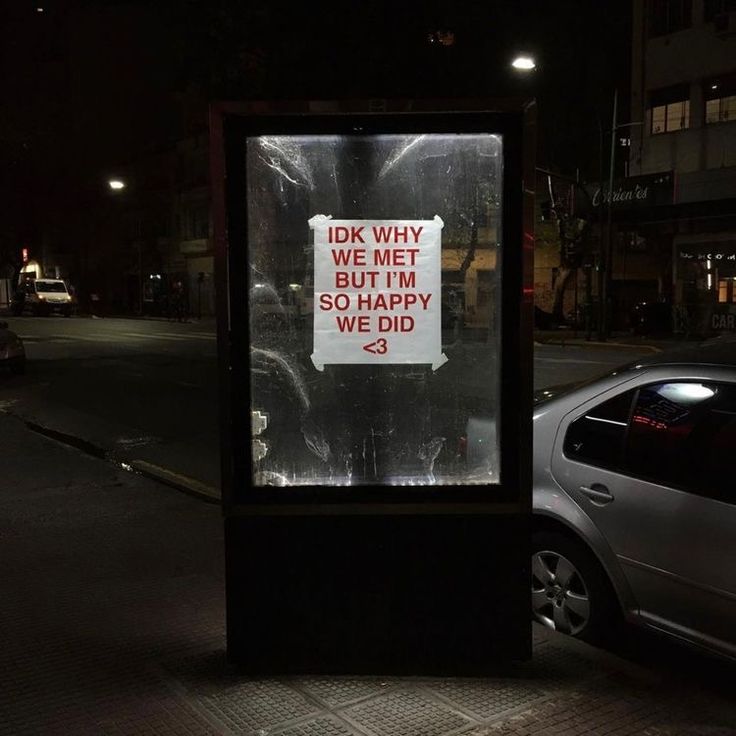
(57, 286)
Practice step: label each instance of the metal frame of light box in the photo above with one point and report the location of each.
(231, 124)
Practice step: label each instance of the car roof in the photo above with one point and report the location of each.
(719, 351)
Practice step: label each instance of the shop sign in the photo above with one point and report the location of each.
(636, 191)
(377, 287)
(713, 255)
(723, 321)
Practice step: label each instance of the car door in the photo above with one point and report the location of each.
(652, 467)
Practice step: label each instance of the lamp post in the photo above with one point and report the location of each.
(118, 185)
(606, 257)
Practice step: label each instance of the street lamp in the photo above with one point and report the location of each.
(116, 184)
(524, 63)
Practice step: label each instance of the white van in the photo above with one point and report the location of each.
(42, 297)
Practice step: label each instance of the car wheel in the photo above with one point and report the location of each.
(570, 590)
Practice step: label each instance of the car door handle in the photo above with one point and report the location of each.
(597, 493)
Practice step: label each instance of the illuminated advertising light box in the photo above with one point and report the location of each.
(375, 354)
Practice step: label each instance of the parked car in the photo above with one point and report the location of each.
(635, 500)
(43, 297)
(12, 352)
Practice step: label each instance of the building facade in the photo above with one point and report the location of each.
(165, 218)
(683, 102)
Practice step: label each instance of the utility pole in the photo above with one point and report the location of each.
(606, 260)
(140, 278)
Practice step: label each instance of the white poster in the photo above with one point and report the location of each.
(377, 291)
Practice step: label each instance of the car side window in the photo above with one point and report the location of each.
(597, 437)
(683, 434)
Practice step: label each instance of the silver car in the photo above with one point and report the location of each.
(635, 500)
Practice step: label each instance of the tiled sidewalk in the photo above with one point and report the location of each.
(112, 620)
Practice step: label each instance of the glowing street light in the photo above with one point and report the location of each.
(524, 63)
(116, 184)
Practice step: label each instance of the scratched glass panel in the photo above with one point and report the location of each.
(381, 424)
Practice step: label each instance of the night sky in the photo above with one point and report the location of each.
(91, 85)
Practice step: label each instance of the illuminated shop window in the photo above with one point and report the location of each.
(722, 290)
(727, 290)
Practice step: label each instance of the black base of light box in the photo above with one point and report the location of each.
(378, 594)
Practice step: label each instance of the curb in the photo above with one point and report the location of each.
(598, 344)
(183, 483)
(630, 346)
(67, 439)
(134, 318)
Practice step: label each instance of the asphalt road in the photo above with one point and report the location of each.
(556, 364)
(145, 391)
(136, 389)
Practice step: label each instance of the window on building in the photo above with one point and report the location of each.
(668, 16)
(720, 110)
(727, 290)
(723, 290)
(195, 223)
(720, 99)
(674, 116)
(669, 109)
